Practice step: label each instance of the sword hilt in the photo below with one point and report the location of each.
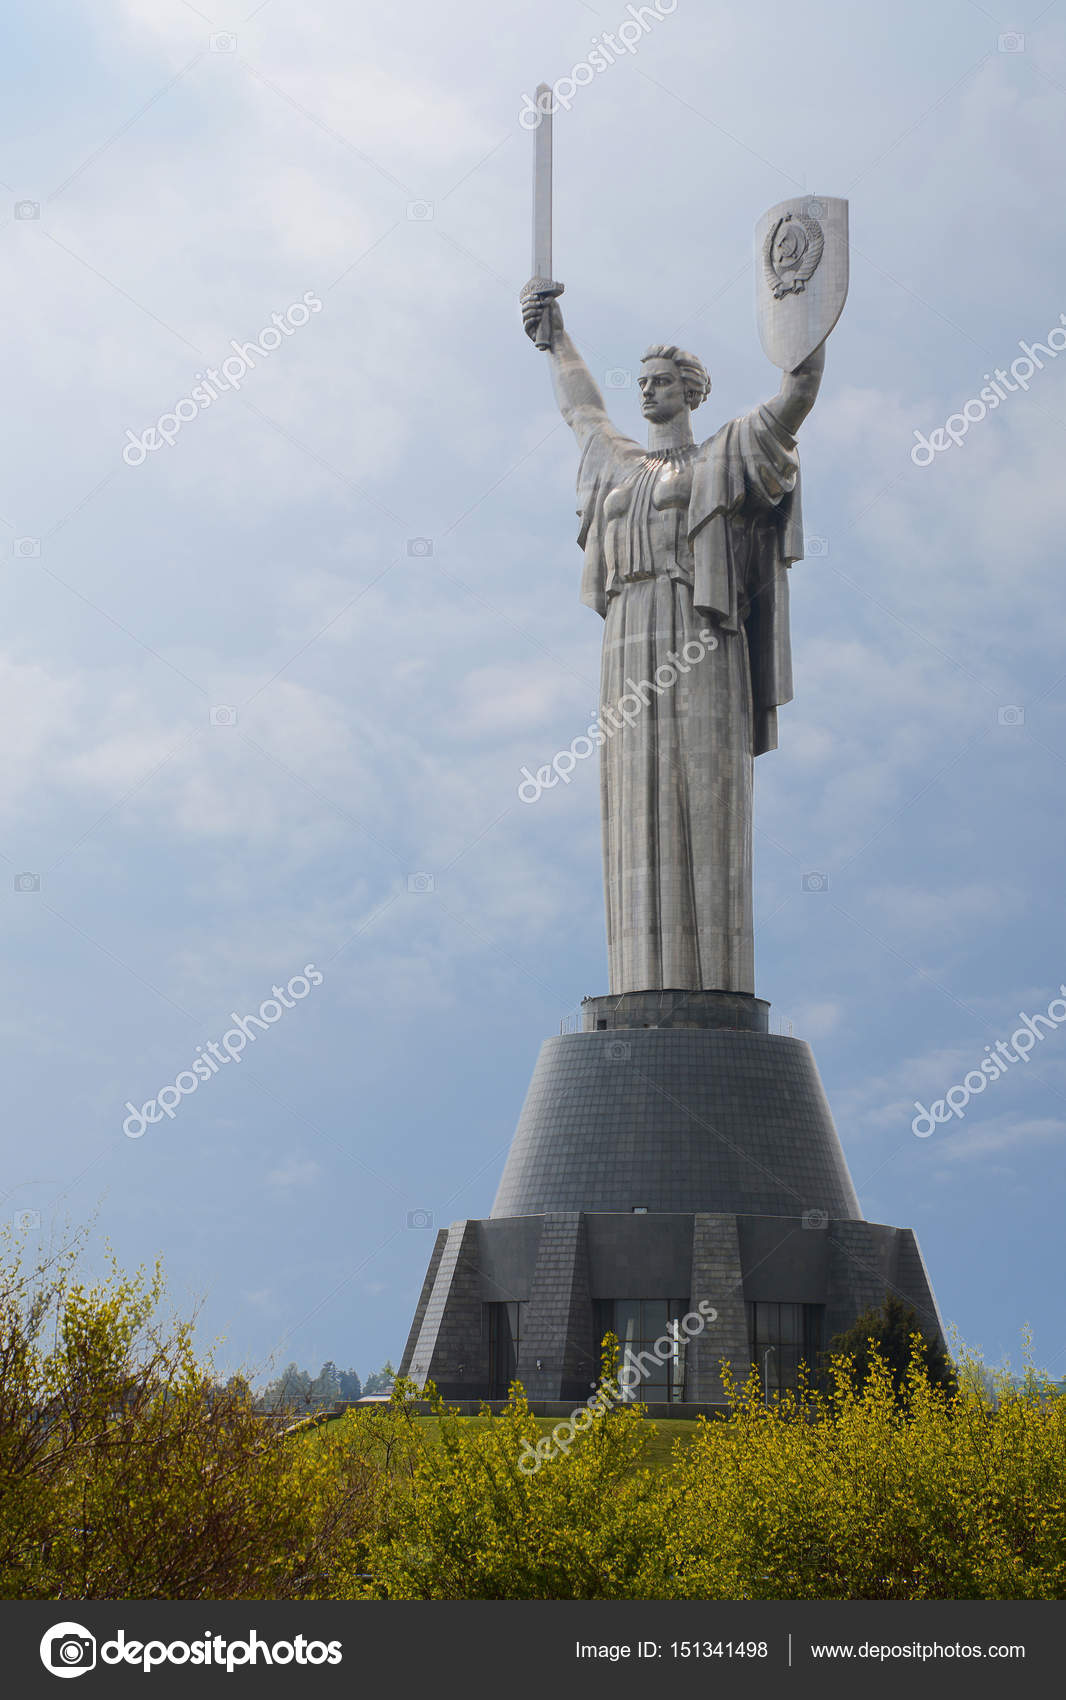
(544, 286)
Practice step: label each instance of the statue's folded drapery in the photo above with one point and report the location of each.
(750, 464)
(689, 540)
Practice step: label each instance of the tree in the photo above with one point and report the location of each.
(889, 1332)
(351, 1386)
(382, 1379)
(326, 1387)
(291, 1391)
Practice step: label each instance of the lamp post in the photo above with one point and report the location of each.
(765, 1375)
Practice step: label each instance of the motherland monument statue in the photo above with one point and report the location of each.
(687, 546)
(675, 1159)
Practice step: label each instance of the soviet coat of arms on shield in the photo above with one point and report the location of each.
(801, 275)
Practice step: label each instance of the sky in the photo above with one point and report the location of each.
(269, 686)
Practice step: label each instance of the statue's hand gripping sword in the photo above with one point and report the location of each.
(542, 281)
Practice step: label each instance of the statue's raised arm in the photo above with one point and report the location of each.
(799, 391)
(576, 390)
(801, 284)
(687, 546)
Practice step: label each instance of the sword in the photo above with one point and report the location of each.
(542, 280)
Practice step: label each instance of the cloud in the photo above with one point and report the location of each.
(817, 1020)
(296, 1175)
(954, 910)
(970, 1144)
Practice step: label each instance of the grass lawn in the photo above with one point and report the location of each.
(662, 1434)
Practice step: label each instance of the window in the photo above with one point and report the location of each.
(504, 1325)
(782, 1337)
(651, 1345)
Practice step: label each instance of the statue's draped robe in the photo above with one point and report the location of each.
(678, 542)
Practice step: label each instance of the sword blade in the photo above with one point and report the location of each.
(542, 186)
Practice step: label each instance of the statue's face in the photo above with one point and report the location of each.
(662, 392)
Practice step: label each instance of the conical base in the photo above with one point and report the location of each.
(686, 1156)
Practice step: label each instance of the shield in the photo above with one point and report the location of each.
(801, 275)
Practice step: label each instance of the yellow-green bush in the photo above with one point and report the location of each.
(861, 1496)
(858, 1494)
(126, 1472)
(469, 1523)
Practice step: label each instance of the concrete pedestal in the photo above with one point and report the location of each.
(687, 1155)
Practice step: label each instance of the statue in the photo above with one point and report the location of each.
(687, 546)
(674, 1131)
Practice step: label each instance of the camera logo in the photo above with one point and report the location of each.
(224, 42)
(68, 1650)
(418, 1219)
(27, 882)
(816, 1218)
(420, 547)
(617, 1050)
(419, 211)
(618, 378)
(27, 548)
(224, 714)
(1010, 715)
(815, 546)
(421, 883)
(27, 209)
(815, 882)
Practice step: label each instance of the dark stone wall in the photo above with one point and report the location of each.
(717, 1275)
(694, 1157)
(451, 1347)
(677, 1121)
(675, 1009)
(558, 1265)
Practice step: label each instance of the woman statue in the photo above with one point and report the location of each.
(687, 547)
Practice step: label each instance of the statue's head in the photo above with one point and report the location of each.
(670, 380)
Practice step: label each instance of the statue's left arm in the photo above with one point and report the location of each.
(751, 468)
(798, 392)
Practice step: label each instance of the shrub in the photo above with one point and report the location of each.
(127, 1473)
(866, 1494)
